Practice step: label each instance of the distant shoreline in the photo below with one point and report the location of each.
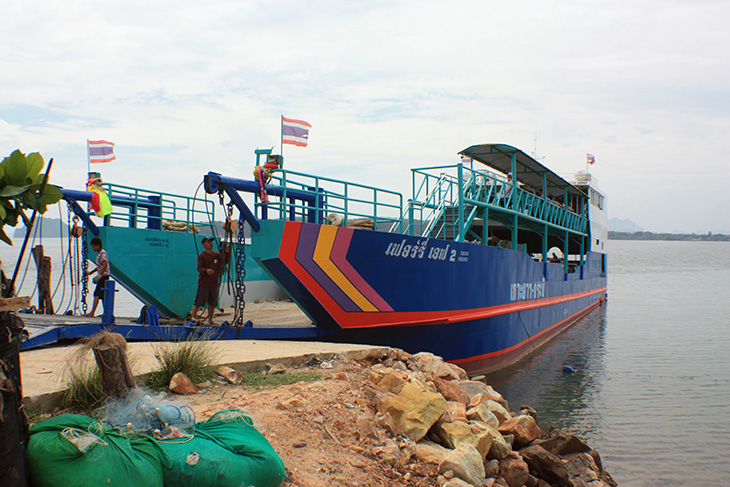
(690, 237)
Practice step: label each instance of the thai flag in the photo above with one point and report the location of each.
(294, 132)
(101, 151)
(590, 159)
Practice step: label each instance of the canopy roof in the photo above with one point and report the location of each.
(529, 171)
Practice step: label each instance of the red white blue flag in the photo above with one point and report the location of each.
(101, 151)
(294, 132)
(590, 159)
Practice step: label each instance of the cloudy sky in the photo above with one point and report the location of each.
(186, 87)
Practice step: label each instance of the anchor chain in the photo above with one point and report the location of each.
(239, 283)
(84, 275)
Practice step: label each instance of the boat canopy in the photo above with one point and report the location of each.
(528, 170)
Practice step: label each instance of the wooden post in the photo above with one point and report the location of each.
(110, 352)
(43, 264)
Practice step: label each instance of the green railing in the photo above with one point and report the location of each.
(447, 199)
(156, 210)
(335, 201)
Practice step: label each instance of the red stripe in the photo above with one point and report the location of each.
(300, 144)
(292, 120)
(338, 256)
(540, 337)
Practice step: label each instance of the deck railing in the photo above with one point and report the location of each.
(330, 197)
(156, 210)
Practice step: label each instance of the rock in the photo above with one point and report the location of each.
(430, 452)
(483, 414)
(414, 410)
(514, 470)
(563, 442)
(545, 465)
(455, 411)
(491, 467)
(180, 384)
(450, 390)
(472, 387)
(581, 466)
(523, 427)
(456, 482)
(230, 374)
(498, 410)
(529, 411)
(393, 381)
(435, 366)
(275, 369)
(453, 435)
(466, 463)
(501, 446)
(388, 453)
(291, 402)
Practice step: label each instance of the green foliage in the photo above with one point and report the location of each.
(194, 358)
(84, 387)
(20, 183)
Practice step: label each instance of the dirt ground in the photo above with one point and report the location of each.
(324, 431)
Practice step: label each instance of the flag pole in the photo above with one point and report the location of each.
(88, 160)
(281, 131)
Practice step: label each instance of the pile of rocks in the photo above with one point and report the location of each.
(437, 415)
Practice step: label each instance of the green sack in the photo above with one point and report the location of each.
(225, 451)
(76, 451)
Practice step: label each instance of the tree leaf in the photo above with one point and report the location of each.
(4, 237)
(3, 213)
(16, 168)
(11, 191)
(51, 194)
(35, 164)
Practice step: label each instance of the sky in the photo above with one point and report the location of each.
(183, 88)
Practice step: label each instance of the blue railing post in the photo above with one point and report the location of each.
(107, 318)
(154, 213)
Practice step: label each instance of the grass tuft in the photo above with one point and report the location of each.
(194, 358)
(257, 379)
(84, 387)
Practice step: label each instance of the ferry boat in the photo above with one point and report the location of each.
(487, 260)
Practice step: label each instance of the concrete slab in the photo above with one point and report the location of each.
(44, 370)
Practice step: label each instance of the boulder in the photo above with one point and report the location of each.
(523, 427)
(430, 452)
(498, 410)
(180, 384)
(501, 447)
(414, 410)
(514, 470)
(491, 467)
(483, 414)
(562, 442)
(457, 433)
(545, 465)
(450, 390)
(455, 411)
(456, 482)
(466, 463)
(435, 366)
(472, 387)
(393, 381)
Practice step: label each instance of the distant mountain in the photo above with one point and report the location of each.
(625, 226)
(52, 227)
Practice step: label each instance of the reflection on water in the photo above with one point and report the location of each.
(562, 399)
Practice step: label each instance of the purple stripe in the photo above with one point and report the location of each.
(305, 252)
(295, 131)
(100, 151)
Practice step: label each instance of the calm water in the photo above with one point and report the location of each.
(651, 390)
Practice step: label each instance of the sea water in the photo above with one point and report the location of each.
(125, 304)
(651, 383)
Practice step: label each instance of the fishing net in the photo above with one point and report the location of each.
(143, 413)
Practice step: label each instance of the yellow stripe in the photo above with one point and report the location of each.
(325, 242)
